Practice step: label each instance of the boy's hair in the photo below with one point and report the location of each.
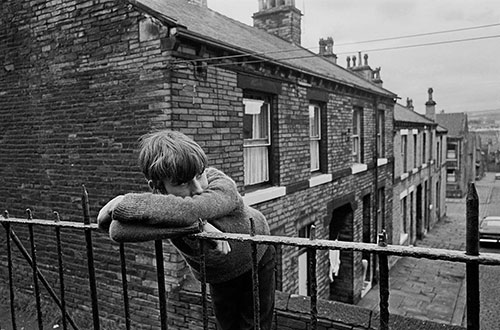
(170, 155)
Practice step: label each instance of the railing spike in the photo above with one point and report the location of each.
(312, 234)
(6, 214)
(85, 206)
(29, 214)
(58, 217)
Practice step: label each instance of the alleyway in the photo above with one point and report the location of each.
(435, 290)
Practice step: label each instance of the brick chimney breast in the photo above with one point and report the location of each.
(281, 18)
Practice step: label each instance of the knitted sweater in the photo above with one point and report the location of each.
(148, 216)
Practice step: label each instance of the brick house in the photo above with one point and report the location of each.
(304, 139)
(419, 174)
(461, 154)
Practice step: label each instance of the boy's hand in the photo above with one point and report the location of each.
(105, 214)
(221, 246)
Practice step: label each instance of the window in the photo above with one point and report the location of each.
(303, 265)
(452, 151)
(438, 152)
(415, 136)
(404, 151)
(356, 135)
(257, 141)
(424, 147)
(381, 210)
(451, 175)
(315, 135)
(404, 216)
(381, 134)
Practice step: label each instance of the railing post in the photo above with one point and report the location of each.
(384, 283)
(203, 275)
(90, 258)
(35, 271)
(313, 286)
(472, 248)
(61, 272)
(11, 277)
(255, 278)
(160, 275)
(123, 266)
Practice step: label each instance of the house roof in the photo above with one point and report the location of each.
(456, 123)
(215, 27)
(406, 115)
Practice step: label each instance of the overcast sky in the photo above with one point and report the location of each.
(465, 75)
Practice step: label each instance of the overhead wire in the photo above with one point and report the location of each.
(316, 55)
(351, 43)
(419, 34)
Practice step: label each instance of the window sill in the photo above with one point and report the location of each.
(381, 161)
(414, 171)
(357, 168)
(264, 195)
(404, 176)
(319, 180)
(403, 238)
(424, 165)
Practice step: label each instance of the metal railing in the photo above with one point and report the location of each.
(471, 258)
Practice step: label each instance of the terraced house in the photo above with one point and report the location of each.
(305, 139)
(419, 173)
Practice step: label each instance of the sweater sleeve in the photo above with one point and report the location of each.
(219, 199)
(134, 232)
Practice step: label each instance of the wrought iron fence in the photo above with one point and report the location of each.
(471, 258)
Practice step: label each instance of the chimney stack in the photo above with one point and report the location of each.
(430, 106)
(281, 18)
(363, 69)
(409, 103)
(326, 49)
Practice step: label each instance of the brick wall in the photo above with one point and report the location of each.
(80, 85)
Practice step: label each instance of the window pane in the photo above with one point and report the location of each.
(314, 121)
(256, 165)
(314, 155)
(256, 120)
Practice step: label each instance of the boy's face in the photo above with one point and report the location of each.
(193, 187)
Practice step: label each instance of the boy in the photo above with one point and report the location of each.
(184, 191)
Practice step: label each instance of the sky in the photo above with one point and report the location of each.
(465, 75)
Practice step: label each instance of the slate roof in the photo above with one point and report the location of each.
(456, 123)
(213, 26)
(403, 114)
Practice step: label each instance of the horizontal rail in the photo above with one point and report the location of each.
(491, 259)
(51, 223)
(397, 250)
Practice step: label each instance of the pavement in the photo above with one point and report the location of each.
(433, 290)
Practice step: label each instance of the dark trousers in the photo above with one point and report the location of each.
(233, 300)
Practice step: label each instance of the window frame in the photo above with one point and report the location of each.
(265, 142)
(381, 133)
(415, 150)
(318, 139)
(357, 135)
(404, 152)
